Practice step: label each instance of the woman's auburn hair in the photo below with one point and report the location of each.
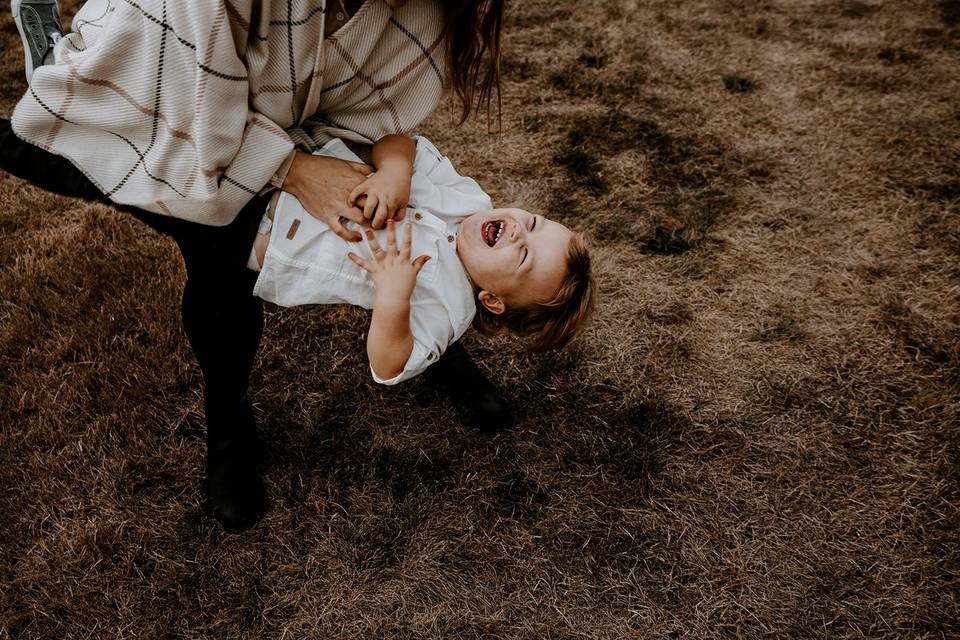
(472, 32)
(554, 323)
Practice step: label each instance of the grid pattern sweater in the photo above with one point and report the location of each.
(189, 108)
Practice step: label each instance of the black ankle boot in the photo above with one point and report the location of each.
(234, 488)
(479, 403)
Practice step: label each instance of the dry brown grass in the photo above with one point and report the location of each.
(757, 437)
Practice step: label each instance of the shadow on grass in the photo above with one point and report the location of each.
(693, 180)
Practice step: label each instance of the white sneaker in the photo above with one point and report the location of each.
(38, 22)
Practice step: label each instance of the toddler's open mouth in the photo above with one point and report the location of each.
(492, 230)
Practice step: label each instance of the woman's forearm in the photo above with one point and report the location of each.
(298, 172)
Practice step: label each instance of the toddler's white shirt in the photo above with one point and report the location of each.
(307, 263)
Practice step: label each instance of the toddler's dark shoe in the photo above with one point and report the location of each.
(479, 403)
(38, 22)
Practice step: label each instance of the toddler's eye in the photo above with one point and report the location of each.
(525, 252)
(533, 226)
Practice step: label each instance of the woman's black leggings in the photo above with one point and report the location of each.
(222, 318)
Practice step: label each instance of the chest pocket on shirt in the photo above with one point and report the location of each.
(424, 242)
(428, 274)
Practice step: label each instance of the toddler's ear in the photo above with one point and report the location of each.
(493, 303)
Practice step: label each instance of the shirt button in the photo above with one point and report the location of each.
(429, 356)
(339, 16)
(418, 216)
(450, 238)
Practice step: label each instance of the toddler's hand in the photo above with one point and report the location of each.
(386, 192)
(393, 273)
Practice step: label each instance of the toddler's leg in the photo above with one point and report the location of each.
(477, 399)
(259, 251)
(260, 243)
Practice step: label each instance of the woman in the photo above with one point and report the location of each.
(187, 116)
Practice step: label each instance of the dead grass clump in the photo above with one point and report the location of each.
(949, 12)
(784, 328)
(857, 9)
(673, 313)
(878, 81)
(937, 230)
(593, 57)
(530, 15)
(577, 78)
(517, 497)
(737, 83)
(572, 79)
(899, 55)
(936, 344)
(945, 191)
(670, 239)
(518, 69)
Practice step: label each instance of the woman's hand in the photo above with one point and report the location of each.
(386, 193)
(393, 273)
(323, 186)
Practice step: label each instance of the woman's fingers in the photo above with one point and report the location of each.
(334, 211)
(361, 168)
(374, 245)
(324, 185)
(391, 238)
(337, 227)
(400, 214)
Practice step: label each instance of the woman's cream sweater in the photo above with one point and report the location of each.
(189, 108)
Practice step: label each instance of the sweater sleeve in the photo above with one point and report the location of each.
(154, 107)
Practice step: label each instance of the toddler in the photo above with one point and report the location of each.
(456, 261)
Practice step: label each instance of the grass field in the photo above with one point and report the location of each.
(759, 435)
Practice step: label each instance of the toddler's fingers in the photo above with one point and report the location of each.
(381, 215)
(360, 262)
(358, 191)
(407, 240)
(391, 237)
(370, 206)
(419, 262)
(400, 214)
